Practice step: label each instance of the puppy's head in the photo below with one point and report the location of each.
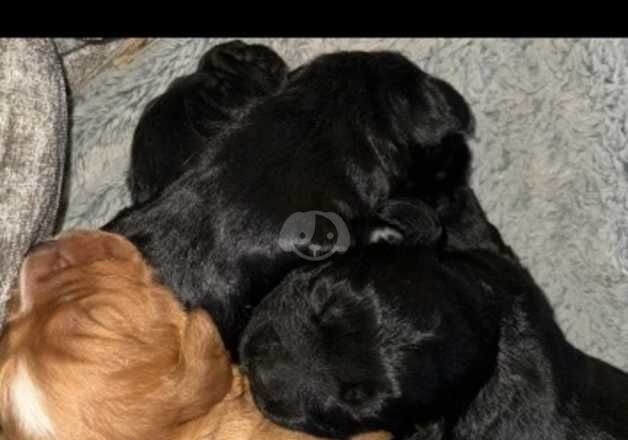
(402, 110)
(95, 348)
(416, 104)
(383, 339)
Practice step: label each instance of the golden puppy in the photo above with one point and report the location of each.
(96, 349)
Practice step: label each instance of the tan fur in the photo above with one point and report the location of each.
(110, 354)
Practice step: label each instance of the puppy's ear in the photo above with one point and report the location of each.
(205, 365)
(79, 247)
(439, 111)
(435, 121)
(47, 261)
(457, 112)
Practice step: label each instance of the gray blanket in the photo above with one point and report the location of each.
(33, 134)
(551, 157)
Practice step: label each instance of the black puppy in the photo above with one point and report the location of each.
(453, 343)
(175, 127)
(333, 139)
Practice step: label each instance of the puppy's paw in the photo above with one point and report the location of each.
(385, 234)
(257, 66)
(406, 221)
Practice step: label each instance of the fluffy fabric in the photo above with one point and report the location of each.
(33, 134)
(550, 165)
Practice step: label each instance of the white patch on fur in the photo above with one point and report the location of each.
(386, 234)
(26, 404)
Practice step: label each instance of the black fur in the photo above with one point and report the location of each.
(175, 127)
(340, 135)
(455, 342)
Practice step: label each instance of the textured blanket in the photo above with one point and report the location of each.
(33, 134)
(551, 157)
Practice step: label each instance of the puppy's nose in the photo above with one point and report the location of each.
(41, 246)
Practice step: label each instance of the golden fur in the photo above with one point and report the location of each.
(105, 352)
